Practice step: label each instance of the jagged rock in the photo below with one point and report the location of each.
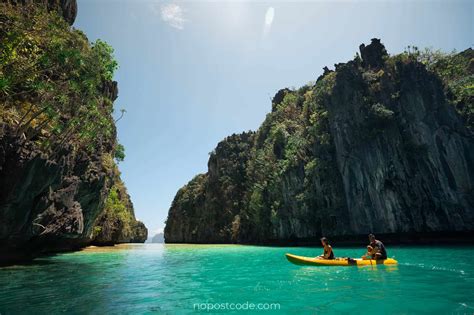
(326, 71)
(373, 55)
(67, 8)
(279, 96)
(117, 223)
(47, 204)
(110, 90)
(140, 233)
(54, 204)
(54, 176)
(369, 151)
(413, 172)
(208, 199)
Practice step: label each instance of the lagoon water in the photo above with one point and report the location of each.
(182, 279)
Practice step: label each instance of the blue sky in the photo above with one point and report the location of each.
(192, 73)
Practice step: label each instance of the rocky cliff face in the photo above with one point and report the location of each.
(117, 223)
(47, 204)
(206, 207)
(404, 155)
(66, 8)
(381, 144)
(57, 138)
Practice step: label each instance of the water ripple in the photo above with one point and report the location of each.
(173, 278)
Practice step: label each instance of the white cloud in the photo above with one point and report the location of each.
(269, 16)
(173, 15)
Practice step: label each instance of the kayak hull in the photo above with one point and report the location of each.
(310, 261)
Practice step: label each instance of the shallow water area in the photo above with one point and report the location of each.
(171, 279)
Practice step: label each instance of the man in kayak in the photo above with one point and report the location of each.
(371, 252)
(376, 249)
(328, 253)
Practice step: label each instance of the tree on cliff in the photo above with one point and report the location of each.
(59, 181)
(382, 143)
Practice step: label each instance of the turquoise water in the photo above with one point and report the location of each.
(180, 279)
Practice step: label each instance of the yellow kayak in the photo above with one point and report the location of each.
(310, 261)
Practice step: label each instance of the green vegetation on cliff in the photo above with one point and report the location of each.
(117, 223)
(59, 181)
(456, 70)
(52, 80)
(349, 154)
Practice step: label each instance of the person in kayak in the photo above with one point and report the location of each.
(328, 253)
(371, 252)
(378, 249)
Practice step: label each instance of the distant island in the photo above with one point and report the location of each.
(157, 238)
(380, 144)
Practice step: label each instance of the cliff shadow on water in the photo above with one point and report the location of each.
(60, 187)
(380, 144)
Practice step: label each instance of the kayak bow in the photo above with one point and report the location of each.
(310, 261)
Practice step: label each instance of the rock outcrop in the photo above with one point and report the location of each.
(382, 144)
(47, 204)
(373, 55)
(117, 222)
(205, 208)
(58, 146)
(66, 8)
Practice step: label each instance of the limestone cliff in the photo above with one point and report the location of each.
(117, 223)
(381, 144)
(58, 146)
(66, 8)
(206, 207)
